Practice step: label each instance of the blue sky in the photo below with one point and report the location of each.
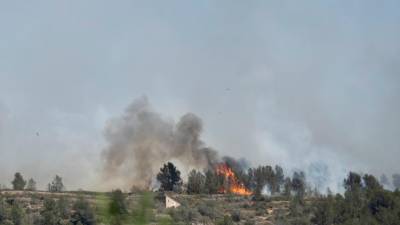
(283, 82)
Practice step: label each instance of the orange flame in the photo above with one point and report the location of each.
(235, 186)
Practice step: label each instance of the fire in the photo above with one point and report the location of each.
(235, 186)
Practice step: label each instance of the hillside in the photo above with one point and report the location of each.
(194, 209)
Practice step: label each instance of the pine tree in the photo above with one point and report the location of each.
(279, 178)
(169, 177)
(18, 182)
(196, 181)
(56, 185)
(211, 183)
(31, 186)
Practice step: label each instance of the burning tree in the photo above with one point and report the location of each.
(231, 182)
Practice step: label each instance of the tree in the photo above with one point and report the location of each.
(371, 183)
(396, 180)
(169, 177)
(365, 201)
(31, 186)
(56, 185)
(260, 179)
(196, 182)
(265, 175)
(249, 179)
(117, 207)
(18, 182)
(287, 187)
(324, 211)
(279, 177)
(211, 183)
(352, 182)
(384, 180)
(270, 179)
(353, 194)
(299, 183)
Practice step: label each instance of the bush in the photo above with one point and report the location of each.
(207, 211)
(235, 215)
(260, 211)
(165, 220)
(249, 222)
(7, 222)
(225, 221)
(183, 214)
(205, 220)
(49, 213)
(143, 213)
(245, 205)
(17, 214)
(83, 213)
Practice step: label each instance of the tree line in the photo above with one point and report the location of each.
(364, 201)
(261, 179)
(19, 184)
(258, 180)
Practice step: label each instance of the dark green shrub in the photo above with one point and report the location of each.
(249, 222)
(235, 215)
(207, 211)
(183, 214)
(225, 221)
(83, 213)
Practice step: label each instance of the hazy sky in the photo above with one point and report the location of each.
(296, 83)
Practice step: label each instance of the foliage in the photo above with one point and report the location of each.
(83, 213)
(142, 214)
(17, 214)
(31, 186)
(225, 221)
(299, 183)
(56, 185)
(279, 178)
(196, 182)
(236, 216)
(183, 214)
(169, 177)
(18, 182)
(49, 214)
(384, 180)
(212, 182)
(11, 213)
(265, 176)
(207, 209)
(364, 202)
(396, 180)
(117, 207)
(287, 187)
(165, 220)
(249, 222)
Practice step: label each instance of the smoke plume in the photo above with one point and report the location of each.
(141, 140)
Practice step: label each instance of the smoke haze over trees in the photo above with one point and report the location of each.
(269, 82)
(142, 139)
